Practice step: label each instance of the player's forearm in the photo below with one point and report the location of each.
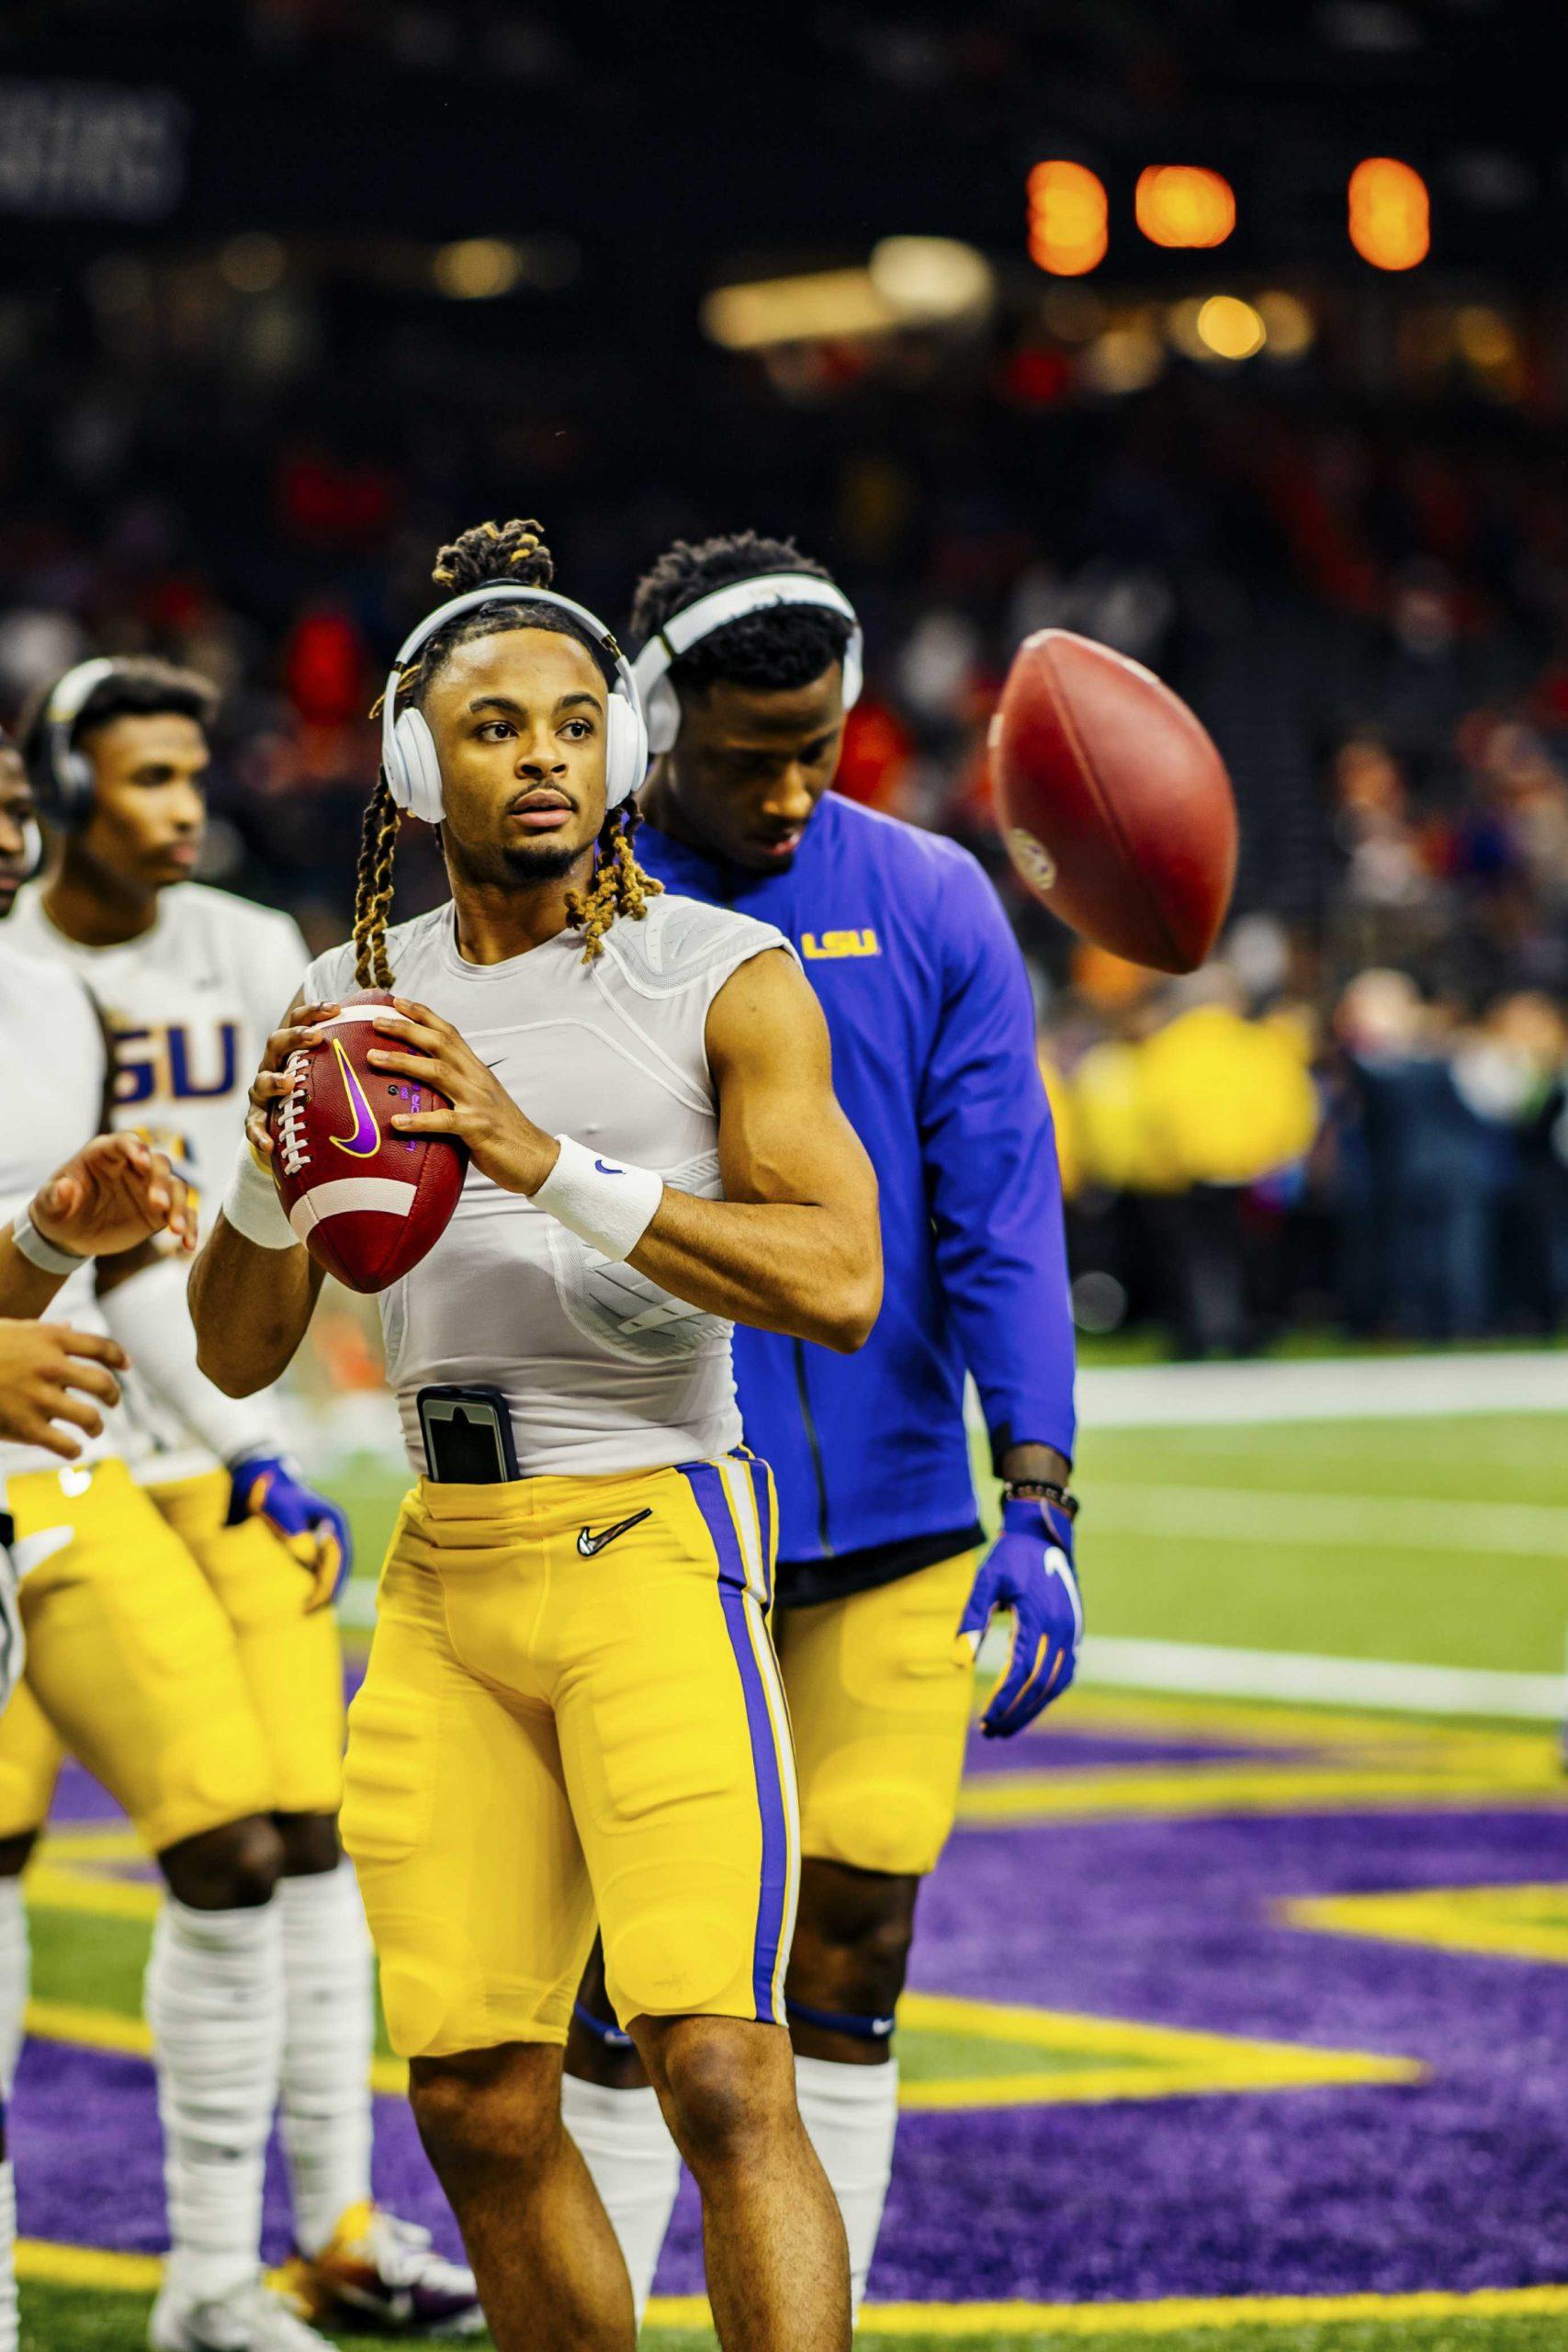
(1030, 1463)
(807, 1270)
(251, 1308)
(25, 1291)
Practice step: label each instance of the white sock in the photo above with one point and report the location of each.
(215, 2005)
(635, 2165)
(15, 1966)
(850, 2114)
(328, 2035)
(7, 2257)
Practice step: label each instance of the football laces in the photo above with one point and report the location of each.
(292, 1134)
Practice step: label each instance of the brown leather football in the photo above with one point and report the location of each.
(366, 1203)
(1115, 805)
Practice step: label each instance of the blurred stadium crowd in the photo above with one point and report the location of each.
(1356, 1119)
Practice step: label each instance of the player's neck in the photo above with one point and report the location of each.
(95, 908)
(496, 921)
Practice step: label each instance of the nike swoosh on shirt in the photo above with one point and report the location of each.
(364, 1136)
(588, 1544)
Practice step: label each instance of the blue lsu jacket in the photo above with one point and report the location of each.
(932, 1026)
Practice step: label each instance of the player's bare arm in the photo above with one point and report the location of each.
(251, 1307)
(113, 1194)
(794, 1245)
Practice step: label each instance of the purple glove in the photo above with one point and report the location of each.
(1028, 1570)
(312, 1529)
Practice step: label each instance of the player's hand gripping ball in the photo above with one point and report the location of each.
(366, 1200)
(1027, 1571)
(466, 1099)
(310, 1527)
(1115, 805)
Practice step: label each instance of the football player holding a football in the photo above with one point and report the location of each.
(573, 1708)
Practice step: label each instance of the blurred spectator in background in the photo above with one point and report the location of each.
(1224, 1102)
(237, 470)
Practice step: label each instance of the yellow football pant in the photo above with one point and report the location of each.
(572, 1710)
(171, 1655)
(880, 1706)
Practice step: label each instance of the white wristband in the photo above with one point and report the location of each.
(605, 1203)
(252, 1207)
(45, 1255)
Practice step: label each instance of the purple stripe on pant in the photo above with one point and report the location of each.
(707, 1488)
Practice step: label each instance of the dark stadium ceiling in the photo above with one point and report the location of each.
(686, 139)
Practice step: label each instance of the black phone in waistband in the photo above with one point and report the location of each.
(468, 1436)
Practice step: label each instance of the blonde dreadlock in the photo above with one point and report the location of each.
(372, 888)
(619, 885)
(487, 555)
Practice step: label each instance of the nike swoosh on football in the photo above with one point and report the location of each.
(364, 1136)
(588, 1544)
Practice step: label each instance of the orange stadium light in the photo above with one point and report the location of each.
(1181, 204)
(1389, 213)
(1067, 219)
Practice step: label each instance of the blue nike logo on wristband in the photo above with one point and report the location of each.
(605, 1169)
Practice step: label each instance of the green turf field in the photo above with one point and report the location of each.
(59, 2319)
(1268, 1555)
(1266, 1544)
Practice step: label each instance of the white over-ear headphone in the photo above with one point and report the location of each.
(62, 776)
(661, 704)
(408, 758)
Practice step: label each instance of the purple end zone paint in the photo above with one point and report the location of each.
(1458, 2182)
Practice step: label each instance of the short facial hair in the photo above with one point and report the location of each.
(498, 868)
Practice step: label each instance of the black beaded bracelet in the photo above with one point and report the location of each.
(1043, 1490)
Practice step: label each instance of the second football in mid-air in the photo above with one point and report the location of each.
(1114, 802)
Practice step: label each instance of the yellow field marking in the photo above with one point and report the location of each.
(87, 2266)
(1444, 1777)
(87, 2028)
(1142, 2061)
(1511, 1922)
(41, 2262)
(64, 1886)
(1045, 2321)
(1250, 1723)
(119, 1843)
(75, 1871)
(1354, 1763)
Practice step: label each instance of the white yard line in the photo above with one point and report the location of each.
(1203, 1669)
(1267, 1517)
(1210, 1670)
(1345, 1388)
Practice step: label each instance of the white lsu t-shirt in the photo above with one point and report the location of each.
(602, 1370)
(53, 1066)
(190, 1004)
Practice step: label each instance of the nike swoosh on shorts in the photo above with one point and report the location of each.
(589, 1543)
